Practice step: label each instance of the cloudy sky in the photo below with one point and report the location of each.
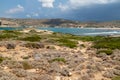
(82, 10)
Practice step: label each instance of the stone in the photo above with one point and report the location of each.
(10, 46)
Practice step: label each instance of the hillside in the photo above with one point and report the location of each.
(57, 23)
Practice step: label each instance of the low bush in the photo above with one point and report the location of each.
(7, 36)
(26, 65)
(108, 43)
(12, 32)
(58, 60)
(108, 52)
(67, 43)
(33, 38)
(34, 45)
(1, 59)
(116, 78)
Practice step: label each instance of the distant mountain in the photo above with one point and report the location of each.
(57, 23)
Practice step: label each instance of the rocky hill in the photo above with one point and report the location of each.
(57, 23)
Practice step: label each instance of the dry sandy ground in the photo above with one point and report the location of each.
(85, 54)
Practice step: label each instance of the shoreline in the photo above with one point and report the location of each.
(105, 28)
(64, 27)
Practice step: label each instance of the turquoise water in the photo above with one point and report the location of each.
(75, 31)
(84, 31)
(10, 28)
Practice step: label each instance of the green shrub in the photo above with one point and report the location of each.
(26, 57)
(67, 43)
(116, 78)
(26, 65)
(12, 32)
(7, 36)
(108, 43)
(108, 52)
(33, 38)
(82, 45)
(85, 38)
(1, 59)
(59, 60)
(34, 45)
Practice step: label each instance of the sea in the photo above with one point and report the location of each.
(75, 31)
(85, 31)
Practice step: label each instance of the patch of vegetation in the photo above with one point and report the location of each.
(116, 78)
(108, 51)
(12, 32)
(67, 42)
(90, 38)
(34, 45)
(26, 65)
(82, 45)
(83, 38)
(26, 57)
(108, 43)
(33, 38)
(59, 60)
(1, 59)
(9, 34)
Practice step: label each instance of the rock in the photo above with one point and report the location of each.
(7, 76)
(32, 77)
(12, 64)
(41, 64)
(116, 55)
(117, 67)
(54, 68)
(106, 64)
(66, 72)
(10, 46)
(20, 72)
(117, 72)
(109, 74)
(38, 56)
(45, 77)
(79, 67)
(85, 77)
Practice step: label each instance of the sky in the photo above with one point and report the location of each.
(81, 10)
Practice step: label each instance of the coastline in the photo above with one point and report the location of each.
(115, 28)
(105, 28)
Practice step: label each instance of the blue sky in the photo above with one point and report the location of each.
(82, 10)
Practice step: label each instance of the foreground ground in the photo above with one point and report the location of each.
(43, 55)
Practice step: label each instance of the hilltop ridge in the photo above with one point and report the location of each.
(57, 23)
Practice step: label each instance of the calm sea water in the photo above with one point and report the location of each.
(10, 28)
(84, 31)
(75, 31)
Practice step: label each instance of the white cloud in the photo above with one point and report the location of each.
(75, 4)
(63, 7)
(28, 15)
(32, 15)
(17, 9)
(47, 3)
(36, 14)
